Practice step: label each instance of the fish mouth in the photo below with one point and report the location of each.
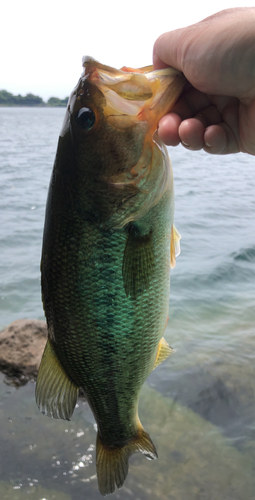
(135, 95)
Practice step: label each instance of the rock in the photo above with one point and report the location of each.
(21, 348)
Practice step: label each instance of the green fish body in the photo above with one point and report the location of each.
(108, 245)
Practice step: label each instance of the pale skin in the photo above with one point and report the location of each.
(216, 111)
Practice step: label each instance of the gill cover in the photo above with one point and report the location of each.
(132, 98)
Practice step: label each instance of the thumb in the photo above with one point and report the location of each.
(167, 50)
(216, 54)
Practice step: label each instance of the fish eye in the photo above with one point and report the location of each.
(85, 118)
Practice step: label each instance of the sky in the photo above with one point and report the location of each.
(42, 43)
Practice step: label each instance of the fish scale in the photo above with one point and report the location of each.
(131, 329)
(107, 245)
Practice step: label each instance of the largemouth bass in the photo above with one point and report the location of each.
(108, 244)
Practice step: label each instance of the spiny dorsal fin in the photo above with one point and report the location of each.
(164, 351)
(112, 463)
(55, 393)
(138, 262)
(175, 248)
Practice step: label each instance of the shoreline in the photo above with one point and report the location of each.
(32, 106)
(7, 99)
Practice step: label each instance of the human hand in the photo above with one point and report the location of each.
(216, 110)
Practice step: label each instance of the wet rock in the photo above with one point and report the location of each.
(21, 347)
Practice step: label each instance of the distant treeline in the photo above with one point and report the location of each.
(8, 99)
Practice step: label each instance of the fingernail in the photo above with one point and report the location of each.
(184, 144)
(208, 145)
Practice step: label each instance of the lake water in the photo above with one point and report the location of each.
(198, 406)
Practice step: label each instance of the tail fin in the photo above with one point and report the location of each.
(112, 463)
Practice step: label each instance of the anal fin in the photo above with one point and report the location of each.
(164, 351)
(175, 248)
(55, 393)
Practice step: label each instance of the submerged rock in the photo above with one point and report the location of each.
(21, 347)
(216, 384)
(196, 461)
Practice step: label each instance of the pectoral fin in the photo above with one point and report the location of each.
(164, 351)
(55, 393)
(138, 262)
(175, 248)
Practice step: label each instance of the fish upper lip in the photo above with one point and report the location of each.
(159, 88)
(132, 97)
